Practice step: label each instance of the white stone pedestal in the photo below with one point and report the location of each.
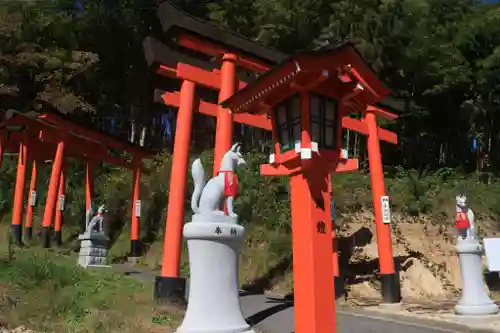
(475, 299)
(213, 304)
(93, 250)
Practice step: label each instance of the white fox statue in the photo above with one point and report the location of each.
(208, 198)
(464, 220)
(96, 224)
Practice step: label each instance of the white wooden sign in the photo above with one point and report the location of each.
(138, 208)
(62, 202)
(386, 209)
(344, 154)
(33, 198)
(492, 251)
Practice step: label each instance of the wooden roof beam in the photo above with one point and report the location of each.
(382, 113)
(202, 77)
(210, 109)
(193, 42)
(93, 135)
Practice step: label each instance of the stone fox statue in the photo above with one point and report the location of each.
(464, 220)
(96, 224)
(222, 187)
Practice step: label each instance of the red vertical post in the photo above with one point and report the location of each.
(312, 259)
(17, 212)
(339, 282)
(135, 246)
(50, 202)
(28, 222)
(224, 128)
(170, 285)
(89, 186)
(59, 219)
(391, 290)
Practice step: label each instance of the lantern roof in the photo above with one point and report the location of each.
(334, 70)
(174, 22)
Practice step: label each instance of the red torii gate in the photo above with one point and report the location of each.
(169, 284)
(46, 133)
(200, 37)
(34, 151)
(364, 126)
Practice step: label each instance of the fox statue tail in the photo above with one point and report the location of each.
(198, 174)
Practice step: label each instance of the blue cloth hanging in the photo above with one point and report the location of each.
(113, 124)
(78, 8)
(165, 125)
(154, 121)
(474, 144)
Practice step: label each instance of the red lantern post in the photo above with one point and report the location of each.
(307, 98)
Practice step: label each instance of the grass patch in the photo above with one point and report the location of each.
(47, 292)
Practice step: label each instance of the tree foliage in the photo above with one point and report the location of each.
(440, 57)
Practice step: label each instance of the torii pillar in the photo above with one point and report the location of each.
(61, 202)
(224, 128)
(135, 243)
(389, 276)
(28, 223)
(50, 203)
(169, 286)
(89, 185)
(17, 214)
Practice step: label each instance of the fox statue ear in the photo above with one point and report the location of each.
(236, 147)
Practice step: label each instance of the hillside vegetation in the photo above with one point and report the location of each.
(46, 292)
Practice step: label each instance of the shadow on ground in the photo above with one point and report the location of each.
(351, 273)
(263, 283)
(262, 315)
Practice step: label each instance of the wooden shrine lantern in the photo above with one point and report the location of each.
(307, 97)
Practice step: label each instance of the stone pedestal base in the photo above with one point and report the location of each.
(58, 238)
(28, 234)
(93, 250)
(17, 233)
(45, 237)
(170, 290)
(213, 303)
(475, 300)
(135, 248)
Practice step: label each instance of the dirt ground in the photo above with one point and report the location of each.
(423, 248)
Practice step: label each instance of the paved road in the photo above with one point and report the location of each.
(276, 316)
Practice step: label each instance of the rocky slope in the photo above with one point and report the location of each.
(423, 248)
